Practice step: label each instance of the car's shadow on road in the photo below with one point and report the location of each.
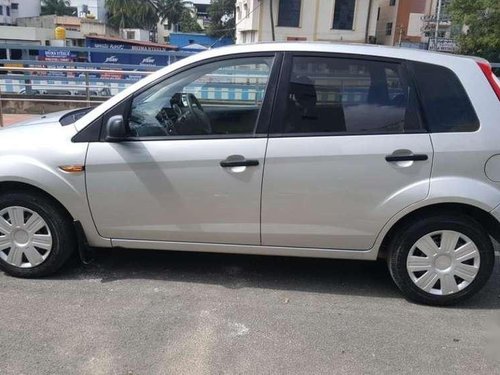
(246, 271)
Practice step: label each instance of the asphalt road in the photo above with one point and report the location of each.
(172, 313)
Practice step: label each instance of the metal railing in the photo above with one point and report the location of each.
(53, 84)
(68, 75)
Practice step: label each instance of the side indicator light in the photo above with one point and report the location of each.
(72, 168)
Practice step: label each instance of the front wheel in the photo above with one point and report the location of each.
(36, 236)
(441, 260)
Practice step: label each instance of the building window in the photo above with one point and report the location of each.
(15, 6)
(238, 13)
(378, 14)
(7, 11)
(392, 3)
(388, 28)
(343, 16)
(289, 13)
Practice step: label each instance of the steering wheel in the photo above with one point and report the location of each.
(196, 110)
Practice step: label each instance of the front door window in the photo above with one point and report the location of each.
(217, 99)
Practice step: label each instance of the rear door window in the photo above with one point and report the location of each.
(444, 100)
(336, 95)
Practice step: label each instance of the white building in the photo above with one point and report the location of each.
(314, 20)
(10, 10)
(199, 10)
(36, 36)
(92, 8)
(135, 34)
(407, 22)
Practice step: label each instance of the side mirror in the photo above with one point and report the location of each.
(115, 130)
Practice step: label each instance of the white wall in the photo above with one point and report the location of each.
(95, 7)
(15, 34)
(138, 34)
(28, 8)
(415, 24)
(4, 18)
(387, 14)
(25, 8)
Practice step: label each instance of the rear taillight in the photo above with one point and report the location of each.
(490, 76)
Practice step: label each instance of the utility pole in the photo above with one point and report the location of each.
(401, 30)
(272, 19)
(438, 20)
(367, 31)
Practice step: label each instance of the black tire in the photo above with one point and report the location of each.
(412, 231)
(60, 224)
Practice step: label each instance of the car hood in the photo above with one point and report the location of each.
(42, 131)
(42, 119)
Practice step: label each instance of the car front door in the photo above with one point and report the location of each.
(191, 168)
(346, 152)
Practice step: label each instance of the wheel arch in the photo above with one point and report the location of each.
(14, 186)
(486, 219)
(75, 209)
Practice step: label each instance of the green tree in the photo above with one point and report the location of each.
(188, 23)
(57, 7)
(131, 14)
(170, 10)
(146, 16)
(482, 24)
(222, 18)
(119, 13)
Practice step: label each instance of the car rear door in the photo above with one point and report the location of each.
(347, 151)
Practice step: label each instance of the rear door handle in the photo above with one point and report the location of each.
(411, 157)
(230, 163)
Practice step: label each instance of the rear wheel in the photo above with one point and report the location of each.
(36, 236)
(441, 260)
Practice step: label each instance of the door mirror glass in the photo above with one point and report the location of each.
(115, 129)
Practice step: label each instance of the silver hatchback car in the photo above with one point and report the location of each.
(311, 150)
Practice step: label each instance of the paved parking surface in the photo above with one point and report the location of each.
(172, 313)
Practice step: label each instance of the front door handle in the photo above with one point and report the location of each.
(238, 161)
(411, 157)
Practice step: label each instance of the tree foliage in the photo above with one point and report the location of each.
(57, 7)
(188, 23)
(131, 14)
(145, 14)
(222, 18)
(482, 24)
(171, 10)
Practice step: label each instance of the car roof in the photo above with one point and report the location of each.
(329, 47)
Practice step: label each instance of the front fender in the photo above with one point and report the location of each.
(67, 188)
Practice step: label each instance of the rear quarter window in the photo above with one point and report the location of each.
(444, 100)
